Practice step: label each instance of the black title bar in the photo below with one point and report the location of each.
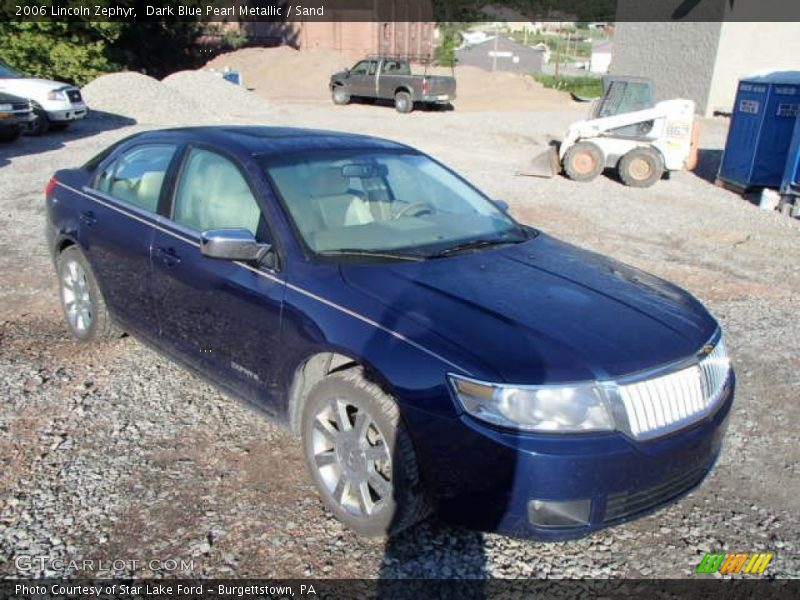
(529, 11)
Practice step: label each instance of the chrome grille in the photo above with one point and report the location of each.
(666, 403)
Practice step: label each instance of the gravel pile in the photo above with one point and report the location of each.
(221, 97)
(184, 98)
(144, 99)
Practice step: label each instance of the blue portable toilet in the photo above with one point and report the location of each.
(762, 127)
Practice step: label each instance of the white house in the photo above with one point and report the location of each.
(602, 52)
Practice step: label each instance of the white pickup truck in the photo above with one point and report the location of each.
(55, 104)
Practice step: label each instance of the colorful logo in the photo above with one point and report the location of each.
(727, 563)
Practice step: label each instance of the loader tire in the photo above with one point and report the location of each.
(641, 167)
(584, 162)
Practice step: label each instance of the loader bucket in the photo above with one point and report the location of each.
(545, 164)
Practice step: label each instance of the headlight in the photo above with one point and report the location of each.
(557, 409)
(57, 95)
(6, 107)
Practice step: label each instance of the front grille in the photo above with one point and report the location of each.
(20, 106)
(74, 95)
(628, 503)
(663, 404)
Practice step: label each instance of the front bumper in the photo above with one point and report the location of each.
(67, 111)
(487, 479)
(16, 118)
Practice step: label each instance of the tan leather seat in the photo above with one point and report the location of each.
(338, 205)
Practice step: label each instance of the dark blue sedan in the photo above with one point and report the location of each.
(432, 353)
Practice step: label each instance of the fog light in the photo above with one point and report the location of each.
(549, 513)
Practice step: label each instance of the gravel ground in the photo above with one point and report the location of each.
(111, 452)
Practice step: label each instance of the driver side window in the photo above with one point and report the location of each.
(361, 68)
(213, 194)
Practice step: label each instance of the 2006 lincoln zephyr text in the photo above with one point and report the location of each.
(431, 352)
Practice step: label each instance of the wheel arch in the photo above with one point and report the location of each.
(404, 88)
(315, 368)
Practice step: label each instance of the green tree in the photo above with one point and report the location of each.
(449, 39)
(74, 52)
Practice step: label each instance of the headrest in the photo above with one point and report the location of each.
(329, 182)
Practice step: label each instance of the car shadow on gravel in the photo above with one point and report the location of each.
(95, 123)
(433, 550)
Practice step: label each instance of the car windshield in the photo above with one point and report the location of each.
(7, 72)
(386, 204)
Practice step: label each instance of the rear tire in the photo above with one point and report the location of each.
(340, 96)
(584, 162)
(641, 167)
(360, 457)
(83, 304)
(403, 103)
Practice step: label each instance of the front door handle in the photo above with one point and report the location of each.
(88, 218)
(168, 256)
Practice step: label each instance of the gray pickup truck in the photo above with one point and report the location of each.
(384, 78)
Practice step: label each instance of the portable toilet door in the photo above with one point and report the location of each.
(743, 134)
(783, 105)
(761, 130)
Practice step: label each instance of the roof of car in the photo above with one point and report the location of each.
(275, 140)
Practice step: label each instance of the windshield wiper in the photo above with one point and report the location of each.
(473, 245)
(372, 253)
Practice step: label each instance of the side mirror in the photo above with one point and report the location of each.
(232, 244)
(502, 205)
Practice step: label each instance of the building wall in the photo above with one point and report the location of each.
(679, 57)
(749, 47)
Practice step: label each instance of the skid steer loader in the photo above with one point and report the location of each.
(628, 131)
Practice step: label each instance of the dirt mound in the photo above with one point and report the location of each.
(284, 73)
(486, 90)
(220, 96)
(144, 99)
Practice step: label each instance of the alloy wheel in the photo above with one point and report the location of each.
(76, 297)
(352, 458)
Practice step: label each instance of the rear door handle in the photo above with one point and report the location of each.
(168, 256)
(88, 218)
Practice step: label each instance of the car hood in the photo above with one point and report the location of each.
(542, 311)
(28, 85)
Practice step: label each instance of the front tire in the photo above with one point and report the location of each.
(340, 96)
(584, 162)
(41, 122)
(83, 304)
(9, 134)
(360, 455)
(403, 102)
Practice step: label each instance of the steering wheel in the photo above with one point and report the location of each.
(417, 208)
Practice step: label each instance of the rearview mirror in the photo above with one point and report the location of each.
(359, 170)
(232, 244)
(502, 205)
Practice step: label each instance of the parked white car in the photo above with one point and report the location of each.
(55, 104)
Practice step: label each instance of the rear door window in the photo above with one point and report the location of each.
(137, 176)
